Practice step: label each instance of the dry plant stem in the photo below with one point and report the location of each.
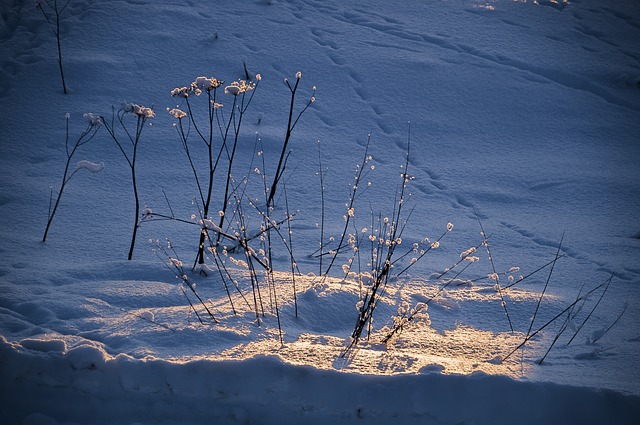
(291, 124)
(212, 165)
(457, 263)
(615, 322)
(222, 267)
(354, 190)
(608, 282)
(250, 256)
(174, 264)
(429, 248)
(493, 267)
(56, 30)
(290, 248)
(322, 205)
(399, 327)
(131, 158)
(540, 329)
(84, 138)
(564, 326)
(382, 270)
(185, 145)
(527, 276)
(242, 109)
(535, 313)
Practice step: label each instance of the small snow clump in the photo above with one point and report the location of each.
(92, 167)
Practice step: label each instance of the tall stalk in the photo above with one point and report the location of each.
(291, 124)
(57, 11)
(215, 123)
(381, 266)
(92, 128)
(130, 153)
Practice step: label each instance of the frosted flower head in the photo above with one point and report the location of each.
(449, 227)
(180, 92)
(177, 113)
(94, 119)
(141, 111)
(205, 83)
(258, 77)
(238, 87)
(298, 75)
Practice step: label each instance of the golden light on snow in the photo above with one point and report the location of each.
(328, 309)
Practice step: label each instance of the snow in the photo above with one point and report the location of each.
(92, 167)
(522, 123)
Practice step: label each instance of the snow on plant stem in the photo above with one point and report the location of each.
(93, 125)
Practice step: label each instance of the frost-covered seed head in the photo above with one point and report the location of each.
(94, 119)
(177, 113)
(205, 83)
(449, 227)
(180, 92)
(238, 87)
(141, 111)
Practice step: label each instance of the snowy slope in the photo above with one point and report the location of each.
(523, 118)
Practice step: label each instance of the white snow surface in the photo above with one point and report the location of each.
(521, 116)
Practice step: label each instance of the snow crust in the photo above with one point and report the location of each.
(523, 117)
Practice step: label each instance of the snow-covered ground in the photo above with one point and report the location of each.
(522, 120)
